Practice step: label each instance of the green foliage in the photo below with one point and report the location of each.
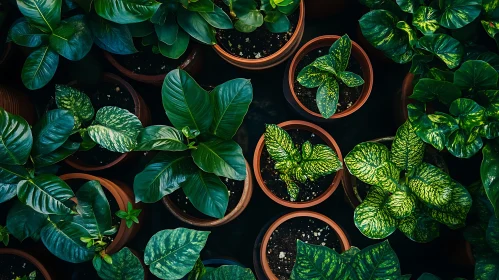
(30, 276)
(4, 235)
(407, 193)
(124, 265)
(326, 72)
(130, 215)
(198, 148)
(293, 165)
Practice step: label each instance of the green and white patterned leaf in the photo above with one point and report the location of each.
(326, 63)
(125, 266)
(39, 68)
(351, 79)
(320, 162)
(487, 268)
(24, 222)
(407, 148)
(171, 254)
(448, 49)
(63, 240)
(126, 11)
(44, 14)
(401, 204)
(372, 217)
(377, 261)
(279, 144)
(458, 13)
(419, 227)
(314, 262)
(229, 272)
(341, 50)
(469, 114)
(453, 214)
(429, 89)
(76, 102)
(312, 77)
(327, 97)
(115, 129)
(52, 131)
(409, 6)
(431, 185)
(426, 19)
(160, 138)
(61, 153)
(17, 139)
(463, 144)
(489, 173)
(475, 75)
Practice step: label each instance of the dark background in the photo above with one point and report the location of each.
(236, 240)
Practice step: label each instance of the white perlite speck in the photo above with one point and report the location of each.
(282, 255)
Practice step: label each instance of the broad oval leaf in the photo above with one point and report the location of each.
(419, 227)
(72, 38)
(468, 113)
(407, 148)
(61, 153)
(279, 144)
(320, 161)
(110, 36)
(125, 265)
(431, 185)
(458, 13)
(39, 68)
(126, 11)
(178, 48)
(52, 131)
(230, 272)
(475, 75)
(16, 139)
(24, 34)
(489, 173)
(341, 50)
(448, 49)
(453, 214)
(315, 262)
(160, 138)
(429, 89)
(24, 222)
(218, 18)
(426, 19)
(401, 204)
(327, 97)
(312, 77)
(372, 217)
(76, 102)
(167, 32)
(195, 25)
(377, 261)
(44, 14)
(171, 254)
(463, 144)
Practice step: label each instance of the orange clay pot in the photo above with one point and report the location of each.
(10, 251)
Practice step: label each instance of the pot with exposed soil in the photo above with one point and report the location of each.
(16, 263)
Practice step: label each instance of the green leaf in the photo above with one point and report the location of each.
(411, 34)
(76, 102)
(429, 276)
(178, 48)
(195, 25)
(487, 268)
(453, 214)
(463, 144)
(341, 50)
(10, 176)
(280, 25)
(312, 77)
(321, 161)
(72, 38)
(185, 102)
(401, 204)
(162, 176)
(468, 113)
(429, 89)
(231, 101)
(68, 148)
(201, 6)
(160, 138)
(46, 194)
(326, 63)
(171, 254)
(198, 271)
(492, 234)
(327, 97)
(441, 75)
(426, 19)
(161, 14)
(448, 49)
(420, 64)
(44, 14)
(407, 148)
(94, 212)
(218, 18)
(207, 193)
(377, 261)
(39, 68)
(63, 240)
(409, 6)
(110, 36)
(16, 139)
(167, 32)
(489, 173)
(230, 272)
(51, 131)
(419, 228)
(351, 79)
(126, 11)
(24, 34)
(141, 29)
(315, 262)
(372, 217)
(24, 222)
(7, 192)
(279, 144)
(475, 75)
(125, 265)
(431, 185)
(222, 157)
(458, 13)
(115, 129)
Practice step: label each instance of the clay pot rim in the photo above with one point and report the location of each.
(256, 61)
(28, 257)
(326, 137)
(357, 52)
(240, 207)
(344, 242)
(406, 88)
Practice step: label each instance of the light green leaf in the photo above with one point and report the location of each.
(448, 49)
(340, 50)
(411, 34)
(426, 19)
(458, 13)
(475, 75)
(125, 266)
(63, 240)
(377, 261)
(401, 204)
(39, 68)
(51, 131)
(24, 222)
(372, 217)
(126, 11)
(431, 185)
(44, 14)
(16, 139)
(279, 144)
(453, 214)
(315, 262)
(321, 161)
(327, 97)
(72, 38)
(160, 138)
(351, 79)
(76, 102)
(407, 148)
(312, 77)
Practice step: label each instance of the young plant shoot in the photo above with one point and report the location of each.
(130, 216)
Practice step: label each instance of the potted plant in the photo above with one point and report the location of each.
(265, 33)
(406, 192)
(278, 248)
(21, 265)
(343, 84)
(300, 164)
(198, 149)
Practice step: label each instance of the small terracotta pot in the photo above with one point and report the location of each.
(29, 258)
(357, 53)
(201, 222)
(191, 64)
(344, 242)
(17, 103)
(323, 8)
(122, 194)
(272, 60)
(141, 111)
(326, 137)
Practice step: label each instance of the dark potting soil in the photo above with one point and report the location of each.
(348, 96)
(308, 190)
(235, 188)
(281, 249)
(12, 266)
(146, 62)
(257, 44)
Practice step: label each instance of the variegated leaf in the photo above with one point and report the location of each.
(458, 13)
(291, 186)
(229, 272)
(492, 234)
(325, 63)
(453, 214)
(489, 174)
(327, 97)
(468, 113)
(419, 228)
(431, 185)
(487, 268)
(160, 138)
(372, 217)
(320, 162)
(463, 144)
(351, 79)
(411, 34)
(491, 27)
(448, 49)
(401, 204)
(377, 261)
(426, 19)
(407, 148)
(312, 77)
(429, 89)
(279, 144)
(125, 266)
(491, 20)
(76, 102)
(341, 50)
(492, 97)
(474, 75)
(409, 6)
(315, 262)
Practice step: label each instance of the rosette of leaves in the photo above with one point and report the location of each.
(326, 72)
(298, 165)
(41, 28)
(167, 25)
(248, 15)
(406, 192)
(199, 148)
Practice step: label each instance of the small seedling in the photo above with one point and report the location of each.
(130, 216)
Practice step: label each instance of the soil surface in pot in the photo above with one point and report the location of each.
(348, 96)
(281, 249)
(235, 188)
(145, 62)
(12, 266)
(257, 44)
(308, 190)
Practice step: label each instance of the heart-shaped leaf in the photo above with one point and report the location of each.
(222, 157)
(463, 144)
(110, 36)
(44, 14)
(429, 89)
(448, 49)
(72, 38)
(25, 34)
(468, 113)
(407, 148)
(476, 75)
(76, 102)
(372, 217)
(315, 262)
(126, 11)
(431, 185)
(125, 265)
(489, 173)
(160, 138)
(426, 19)
(52, 131)
(458, 13)
(17, 140)
(377, 261)
(39, 68)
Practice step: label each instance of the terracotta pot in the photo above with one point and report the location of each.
(272, 60)
(29, 258)
(191, 64)
(212, 222)
(357, 53)
(122, 194)
(17, 103)
(326, 137)
(349, 181)
(344, 242)
(141, 111)
(323, 8)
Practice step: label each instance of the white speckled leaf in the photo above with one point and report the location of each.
(312, 77)
(74, 101)
(341, 50)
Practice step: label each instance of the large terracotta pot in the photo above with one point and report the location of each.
(326, 137)
(141, 111)
(200, 222)
(272, 60)
(17, 103)
(123, 194)
(29, 258)
(326, 41)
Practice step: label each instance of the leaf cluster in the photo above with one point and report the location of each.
(130, 216)
(30, 276)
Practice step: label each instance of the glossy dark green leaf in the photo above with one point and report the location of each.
(141, 29)
(76, 102)
(419, 227)
(63, 240)
(178, 48)
(411, 34)
(195, 25)
(24, 222)
(126, 11)
(61, 153)
(39, 68)
(229, 272)
(429, 89)
(492, 104)
(372, 217)
(110, 36)
(326, 63)
(448, 49)
(167, 32)
(441, 75)
(475, 75)
(94, 212)
(17, 139)
(161, 14)
(409, 6)
(7, 191)
(201, 6)
(463, 144)
(24, 34)
(279, 144)
(222, 157)
(458, 13)
(377, 261)
(489, 173)
(468, 113)
(453, 214)
(407, 148)
(327, 97)
(281, 25)
(218, 18)
(160, 138)
(487, 268)
(420, 64)
(125, 266)
(431, 185)
(315, 262)
(492, 234)
(72, 38)
(51, 131)
(44, 14)
(10, 176)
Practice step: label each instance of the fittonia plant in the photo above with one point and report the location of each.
(326, 72)
(199, 148)
(407, 193)
(296, 164)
